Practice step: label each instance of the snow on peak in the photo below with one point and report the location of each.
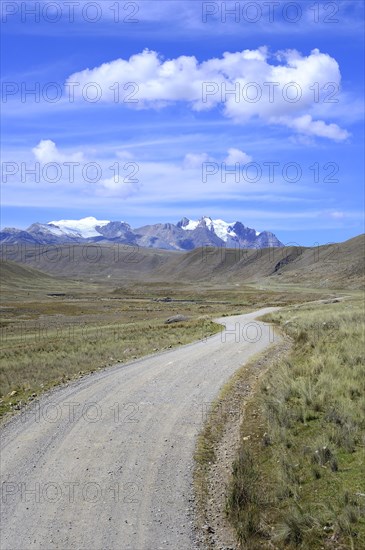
(208, 222)
(222, 229)
(190, 226)
(86, 227)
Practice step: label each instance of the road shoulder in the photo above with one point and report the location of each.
(217, 447)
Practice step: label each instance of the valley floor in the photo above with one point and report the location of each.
(123, 441)
(283, 470)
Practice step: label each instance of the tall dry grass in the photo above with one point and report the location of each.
(306, 476)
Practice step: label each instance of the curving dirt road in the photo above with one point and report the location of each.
(106, 463)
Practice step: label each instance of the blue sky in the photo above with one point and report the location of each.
(132, 118)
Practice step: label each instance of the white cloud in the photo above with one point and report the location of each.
(118, 186)
(94, 180)
(46, 151)
(337, 215)
(182, 17)
(195, 160)
(236, 155)
(306, 125)
(124, 155)
(244, 84)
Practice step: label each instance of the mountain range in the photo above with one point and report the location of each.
(185, 235)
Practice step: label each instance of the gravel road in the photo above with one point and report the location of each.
(106, 462)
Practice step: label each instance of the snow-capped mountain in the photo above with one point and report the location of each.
(185, 235)
(84, 228)
(222, 229)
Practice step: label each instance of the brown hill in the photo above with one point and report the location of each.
(337, 265)
(331, 266)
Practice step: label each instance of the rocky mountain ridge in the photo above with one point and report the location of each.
(185, 235)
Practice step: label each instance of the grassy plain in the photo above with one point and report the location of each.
(53, 329)
(300, 482)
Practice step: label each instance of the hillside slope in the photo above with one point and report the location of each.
(90, 261)
(331, 266)
(337, 265)
(14, 276)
